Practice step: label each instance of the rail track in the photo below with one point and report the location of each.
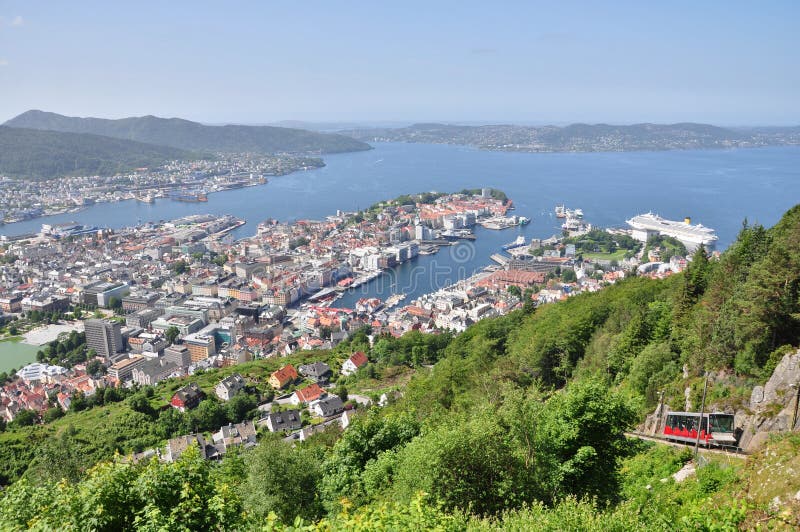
(738, 453)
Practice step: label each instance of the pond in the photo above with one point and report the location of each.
(14, 354)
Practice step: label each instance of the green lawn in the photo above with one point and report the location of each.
(617, 255)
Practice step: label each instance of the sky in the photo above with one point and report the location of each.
(720, 62)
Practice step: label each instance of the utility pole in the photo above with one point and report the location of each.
(702, 411)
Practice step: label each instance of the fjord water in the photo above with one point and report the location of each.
(718, 188)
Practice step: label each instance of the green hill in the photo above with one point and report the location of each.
(188, 135)
(35, 154)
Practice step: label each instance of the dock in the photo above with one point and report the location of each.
(502, 260)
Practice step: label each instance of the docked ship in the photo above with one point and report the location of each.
(692, 236)
(563, 212)
(502, 222)
(147, 198)
(519, 242)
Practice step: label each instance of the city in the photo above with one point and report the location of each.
(416, 266)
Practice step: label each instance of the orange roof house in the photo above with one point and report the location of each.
(284, 376)
(312, 392)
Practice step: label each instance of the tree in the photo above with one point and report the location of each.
(172, 422)
(341, 391)
(77, 402)
(239, 406)
(114, 303)
(465, 464)
(24, 418)
(172, 334)
(139, 403)
(52, 414)
(579, 438)
(209, 415)
(93, 367)
(569, 276)
(281, 480)
(180, 267)
(363, 441)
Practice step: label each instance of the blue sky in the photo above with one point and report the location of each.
(723, 62)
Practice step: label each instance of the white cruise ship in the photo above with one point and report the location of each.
(646, 225)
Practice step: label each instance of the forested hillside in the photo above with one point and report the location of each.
(519, 423)
(35, 154)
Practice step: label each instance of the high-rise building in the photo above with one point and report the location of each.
(104, 336)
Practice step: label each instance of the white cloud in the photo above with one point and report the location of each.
(17, 21)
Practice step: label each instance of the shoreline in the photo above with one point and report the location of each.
(78, 209)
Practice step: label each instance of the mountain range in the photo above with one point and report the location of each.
(582, 137)
(42, 145)
(188, 135)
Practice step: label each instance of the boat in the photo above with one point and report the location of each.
(520, 241)
(190, 197)
(393, 300)
(561, 211)
(148, 198)
(692, 236)
(523, 220)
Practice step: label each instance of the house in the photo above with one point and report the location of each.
(229, 386)
(177, 446)
(187, 397)
(312, 392)
(283, 377)
(234, 435)
(282, 421)
(317, 372)
(153, 371)
(328, 406)
(356, 361)
(307, 432)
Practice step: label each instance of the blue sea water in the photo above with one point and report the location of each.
(718, 188)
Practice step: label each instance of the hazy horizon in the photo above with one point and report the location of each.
(466, 62)
(347, 124)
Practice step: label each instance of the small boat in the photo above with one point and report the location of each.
(561, 211)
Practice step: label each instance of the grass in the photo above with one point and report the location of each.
(617, 255)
